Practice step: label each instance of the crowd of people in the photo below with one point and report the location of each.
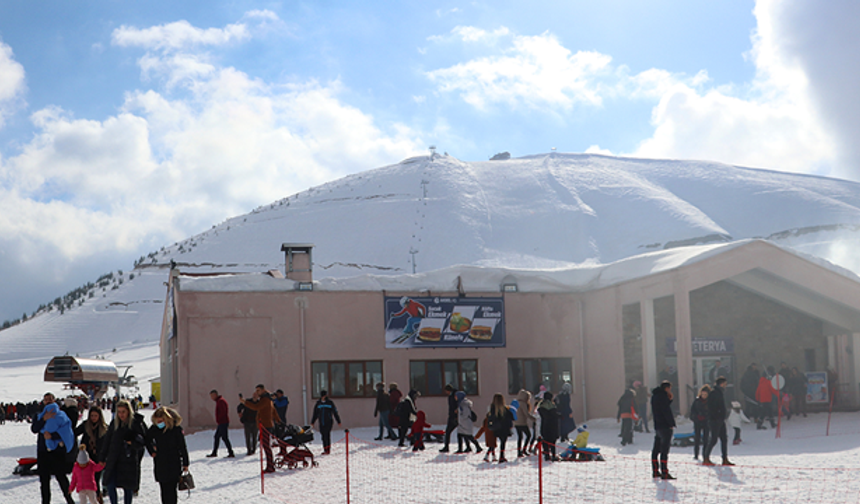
(766, 394)
(548, 418)
(74, 437)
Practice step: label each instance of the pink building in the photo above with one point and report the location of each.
(683, 314)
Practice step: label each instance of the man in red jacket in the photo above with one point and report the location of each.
(222, 418)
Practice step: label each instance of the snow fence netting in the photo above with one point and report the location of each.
(358, 471)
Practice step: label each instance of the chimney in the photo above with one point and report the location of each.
(299, 263)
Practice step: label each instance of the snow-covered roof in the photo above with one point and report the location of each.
(579, 278)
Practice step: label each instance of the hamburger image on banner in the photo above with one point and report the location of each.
(414, 322)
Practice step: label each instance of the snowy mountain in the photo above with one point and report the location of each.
(433, 212)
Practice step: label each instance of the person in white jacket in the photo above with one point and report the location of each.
(735, 418)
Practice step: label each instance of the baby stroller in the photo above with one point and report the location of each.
(292, 441)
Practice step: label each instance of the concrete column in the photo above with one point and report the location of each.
(649, 343)
(683, 334)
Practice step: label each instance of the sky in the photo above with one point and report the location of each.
(127, 126)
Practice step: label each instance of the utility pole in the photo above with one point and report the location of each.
(424, 187)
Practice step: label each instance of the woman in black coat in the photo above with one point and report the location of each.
(92, 432)
(122, 451)
(565, 412)
(165, 441)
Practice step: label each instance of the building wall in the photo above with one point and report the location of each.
(230, 341)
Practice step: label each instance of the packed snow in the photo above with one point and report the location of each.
(802, 466)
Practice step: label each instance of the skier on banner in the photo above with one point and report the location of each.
(416, 312)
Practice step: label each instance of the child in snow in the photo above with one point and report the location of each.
(735, 418)
(576, 445)
(417, 435)
(83, 477)
(489, 438)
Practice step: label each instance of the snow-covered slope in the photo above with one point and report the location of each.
(538, 212)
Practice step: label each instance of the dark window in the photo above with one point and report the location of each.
(430, 377)
(346, 379)
(530, 374)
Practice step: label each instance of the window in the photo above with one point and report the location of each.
(430, 377)
(346, 379)
(530, 374)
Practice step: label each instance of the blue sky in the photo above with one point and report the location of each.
(125, 126)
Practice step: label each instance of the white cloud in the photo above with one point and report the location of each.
(12, 83)
(165, 167)
(537, 72)
(784, 119)
(178, 35)
(816, 46)
(776, 124)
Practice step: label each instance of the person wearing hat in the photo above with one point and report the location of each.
(736, 417)
(84, 477)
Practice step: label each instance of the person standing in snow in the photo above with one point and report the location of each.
(416, 436)
(383, 406)
(664, 425)
(565, 412)
(500, 420)
(521, 423)
(248, 417)
(266, 417)
(222, 418)
(465, 425)
(764, 395)
(453, 414)
(736, 417)
(394, 396)
(92, 432)
(699, 417)
(407, 413)
(548, 425)
(282, 402)
(324, 411)
(642, 396)
(55, 441)
(122, 451)
(717, 423)
(626, 410)
(165, 441)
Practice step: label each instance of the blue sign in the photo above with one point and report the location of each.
(434, 322)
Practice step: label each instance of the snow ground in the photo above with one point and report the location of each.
(802, 466)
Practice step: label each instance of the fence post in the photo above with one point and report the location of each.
(540, 470)
(347, 465)
(260, 448)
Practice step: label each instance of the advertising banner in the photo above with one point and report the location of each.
(816, 388)
(434, 322)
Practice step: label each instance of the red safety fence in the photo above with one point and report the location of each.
(359, 471)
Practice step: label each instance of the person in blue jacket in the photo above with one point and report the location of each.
(56, 439)
(281, 404)
(325, 411)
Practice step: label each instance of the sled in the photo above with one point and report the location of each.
(683, 439)
(434, 436)
(26, 467)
